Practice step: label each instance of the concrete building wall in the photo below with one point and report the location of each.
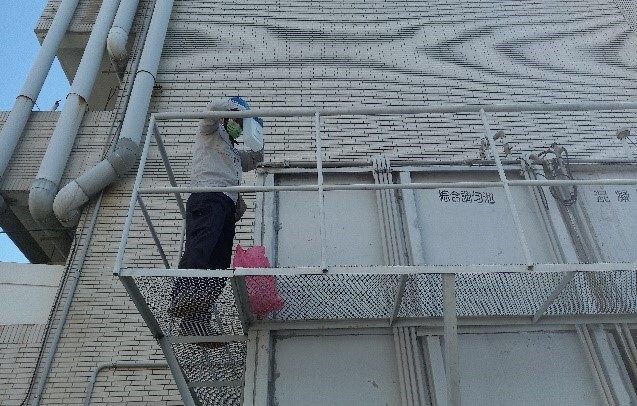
(327, 54)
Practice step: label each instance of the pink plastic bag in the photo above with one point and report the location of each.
(263, 291)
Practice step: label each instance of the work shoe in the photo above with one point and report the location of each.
(199, 325)
(187, 303)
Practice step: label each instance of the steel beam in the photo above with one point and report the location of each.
(142, 306)
(149, 222)
(187, 395)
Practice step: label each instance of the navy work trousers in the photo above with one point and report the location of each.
(210, 229)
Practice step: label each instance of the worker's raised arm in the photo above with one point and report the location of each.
(207, 126)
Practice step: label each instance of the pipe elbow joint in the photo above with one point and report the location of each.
(116, 44)
(123, 156)
(67, 204)
(41, 196)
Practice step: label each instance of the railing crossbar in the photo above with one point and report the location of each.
(374, 186)
(373, 111)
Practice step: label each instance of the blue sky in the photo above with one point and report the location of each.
(18, 52)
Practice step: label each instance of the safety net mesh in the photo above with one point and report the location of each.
(370, 296)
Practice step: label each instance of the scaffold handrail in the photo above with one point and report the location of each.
(403, 110)
(344, 111)
(395, 186)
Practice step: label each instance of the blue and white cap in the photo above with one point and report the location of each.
(252, 128)
(241, 104)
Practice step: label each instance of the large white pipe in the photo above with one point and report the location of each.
(14, 126)
(46, 185)
(70, 199)
(118, 34)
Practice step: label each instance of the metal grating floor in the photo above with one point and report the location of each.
(215, 376)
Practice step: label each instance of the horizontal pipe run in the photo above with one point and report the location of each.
(371, 186)
(380, 270)
(371, 111)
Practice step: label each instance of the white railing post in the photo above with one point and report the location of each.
(152, 127)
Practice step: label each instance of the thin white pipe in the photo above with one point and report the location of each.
(411, 364)
(554, 243)
(597, 365)
(399, 364)
(14, 126)
(75, 194)
(321, 195)
(390, 213)
(45, 186)
(405, 364)
(452, 356)
(149, 364)
(630, 341)
(67, 305)
(507, 191)
(420, 378)
(591, 364)
(630, 357)
(380, 204)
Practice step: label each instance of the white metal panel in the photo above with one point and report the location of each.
(27, 292)
(534, 368)
(353, 228)
(611, 211)
(475, 225)
(335, 370)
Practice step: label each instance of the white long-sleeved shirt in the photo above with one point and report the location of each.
(215, 161)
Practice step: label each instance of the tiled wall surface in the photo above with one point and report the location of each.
(320, 54)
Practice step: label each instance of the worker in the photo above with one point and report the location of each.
(211, 216)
